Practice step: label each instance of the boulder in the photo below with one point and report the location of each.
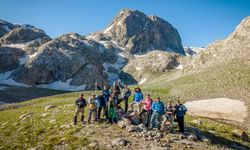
(49, 107)
(240, 134)
(197, 122)
(26, 115)
(44, 114)
(124, 123)
(119, 142)
(133, 128)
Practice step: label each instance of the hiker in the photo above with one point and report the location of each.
(105, 89)
(158, 109)
(80, 103)
(115, 93)
(137, 99)
(169, 116)
(92, 103)
(126, 92)
(147, 108)
(111, 111)
(180, 111)
(101, 105)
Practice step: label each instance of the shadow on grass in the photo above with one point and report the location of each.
(14, 94)
(218, 140)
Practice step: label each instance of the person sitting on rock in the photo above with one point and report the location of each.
(158, 109)
(180, 111)
(112, 111)
(169, 115)
(147, 108)
(137, 99)
(80, 103)
(101, 105)
(105, 90)
(92, 104)
(126, 92)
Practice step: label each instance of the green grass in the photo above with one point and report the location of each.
(232, 81)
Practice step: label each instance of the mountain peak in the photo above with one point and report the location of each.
(138, 33)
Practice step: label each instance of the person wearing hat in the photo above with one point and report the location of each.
(158, 109)
(92, 105)
(80, 103)
(180, 111)
(147, 108)
(137, 99)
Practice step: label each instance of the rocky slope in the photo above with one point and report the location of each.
(146, 67)
(234, 48)
(76, 62)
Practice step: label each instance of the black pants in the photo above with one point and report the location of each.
(100, 110)
(125, 99)
(180, 121)
(149, 112)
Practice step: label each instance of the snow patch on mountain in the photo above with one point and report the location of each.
(59, 85)
(108, 29)
(5, 79)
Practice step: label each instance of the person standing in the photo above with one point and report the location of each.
(158, 109)
(169, 115)
(147, 108)
(105, 90)
(126, 92)
(116, 91)
(80, 103)
(180, 111)
(137, 99)
(101, 105)
(112, 111)
(92, 105)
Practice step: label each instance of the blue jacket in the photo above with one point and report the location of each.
(159, 107)
(138, 96)
(180, 110)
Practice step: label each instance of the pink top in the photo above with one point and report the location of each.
(147, 104)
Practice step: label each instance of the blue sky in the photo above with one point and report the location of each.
(199, 22)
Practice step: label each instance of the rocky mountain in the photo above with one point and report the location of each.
(137, 33)
(145, 67)
(234, 48)
(75, 62)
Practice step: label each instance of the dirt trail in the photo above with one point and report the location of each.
(219, 108)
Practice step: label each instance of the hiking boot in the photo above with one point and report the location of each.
(74, 120)
(82, 119)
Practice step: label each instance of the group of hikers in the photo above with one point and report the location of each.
(157, 113)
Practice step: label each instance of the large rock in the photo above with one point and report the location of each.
(22, 34)
(138, 33)
(9, 58)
